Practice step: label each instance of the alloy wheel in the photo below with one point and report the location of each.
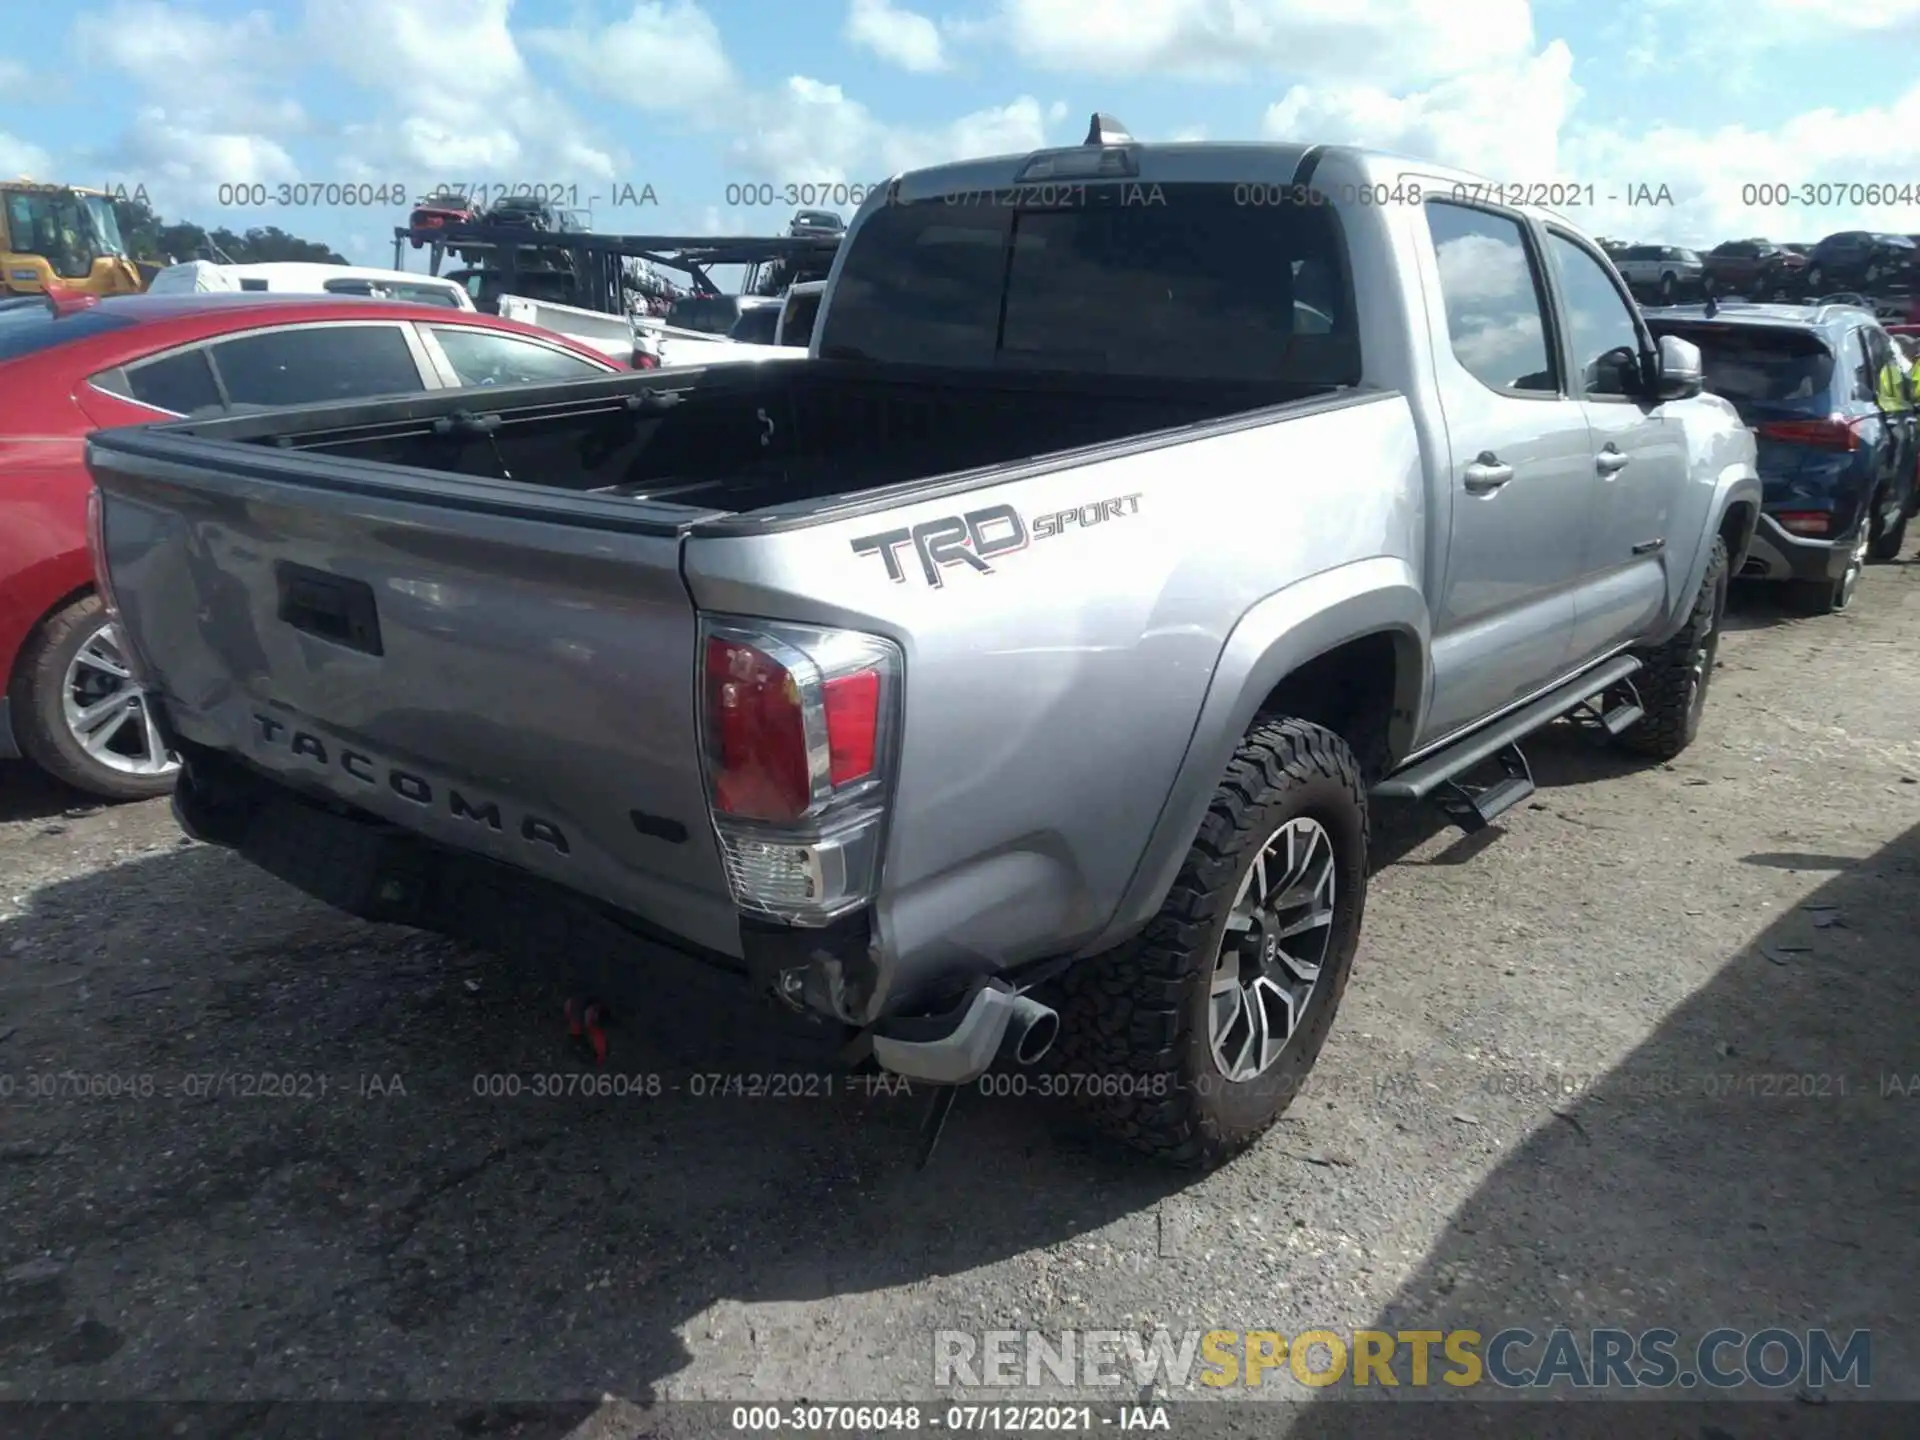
(1271, 953)
(1850, 581)
(106, 712)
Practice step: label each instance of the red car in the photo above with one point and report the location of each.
(69, 366)
(440, 211)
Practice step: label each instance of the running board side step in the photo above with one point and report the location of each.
(1609, 713)
(1439, 776)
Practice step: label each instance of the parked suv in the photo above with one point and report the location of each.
(1820, 387)
(1862, 259)
(1755, 267)
(1665, 271)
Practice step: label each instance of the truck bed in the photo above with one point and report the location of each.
(742, 438)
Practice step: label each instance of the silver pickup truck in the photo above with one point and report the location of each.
(1022, 668)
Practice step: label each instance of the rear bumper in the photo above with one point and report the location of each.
(363, 866)
(9, 747)
(1777, 555)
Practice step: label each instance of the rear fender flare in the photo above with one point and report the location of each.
(1272, 640)
(1735, 485)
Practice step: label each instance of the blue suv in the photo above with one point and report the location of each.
(1821, 389)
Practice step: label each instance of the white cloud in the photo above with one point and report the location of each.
(662, 57)
(454, 100)
(808, 131)
(212, 109)
(905, 38)
(1829, 15)
(1383, 42)
(1504, 123)
(177, 55)
(18, 157)
(1837, 152)
(1527, 123)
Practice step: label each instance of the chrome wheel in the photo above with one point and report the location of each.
(106, 712)
(1850, 581)
(1270, 956)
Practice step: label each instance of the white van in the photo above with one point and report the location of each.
(300, 277)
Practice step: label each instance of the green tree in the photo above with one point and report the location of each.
(149, 237)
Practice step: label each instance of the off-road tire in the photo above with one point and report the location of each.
(1888, 540)
(1135, 1020)
(1673, 704)
(41, 728)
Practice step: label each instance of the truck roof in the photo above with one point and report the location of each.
(1199, 162)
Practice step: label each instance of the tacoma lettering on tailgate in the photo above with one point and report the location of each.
(293, 741)
(978, 537)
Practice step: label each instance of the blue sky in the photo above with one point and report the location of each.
(1702, 96)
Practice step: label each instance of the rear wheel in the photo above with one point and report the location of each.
(1673, 680)
(1889, 529)
(82, 718)
(1832, 597)
(1195, 1037)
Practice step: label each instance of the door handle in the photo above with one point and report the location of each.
(1611, 461)
(1487, 474)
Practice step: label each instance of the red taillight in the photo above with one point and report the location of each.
(795, 720)
(853, 723)
(760, 752)
(1824, 432)
(799, 726)
(643, 361)
(1805, 522)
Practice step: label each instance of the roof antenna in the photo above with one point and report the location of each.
(1105, 130)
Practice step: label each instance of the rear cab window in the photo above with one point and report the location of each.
(1197, 287)
(712, 315)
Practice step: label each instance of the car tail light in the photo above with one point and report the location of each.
(1805, 522)
(798, 726)
(1825, 432)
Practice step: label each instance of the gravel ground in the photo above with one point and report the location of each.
(388, 1233)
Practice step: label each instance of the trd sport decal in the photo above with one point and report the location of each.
(979, 537)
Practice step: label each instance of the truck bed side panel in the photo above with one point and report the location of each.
(1050, 700)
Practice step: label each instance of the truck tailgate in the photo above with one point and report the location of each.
(506, 683)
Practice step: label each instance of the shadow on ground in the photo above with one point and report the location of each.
(28, 793)
(378, 1223)
(1754, 1163)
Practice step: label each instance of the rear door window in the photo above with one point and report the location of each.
(307, 364)
(1494, 298)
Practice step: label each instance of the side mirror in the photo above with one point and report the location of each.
(1681, 374)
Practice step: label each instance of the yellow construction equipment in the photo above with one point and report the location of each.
(63, 236)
